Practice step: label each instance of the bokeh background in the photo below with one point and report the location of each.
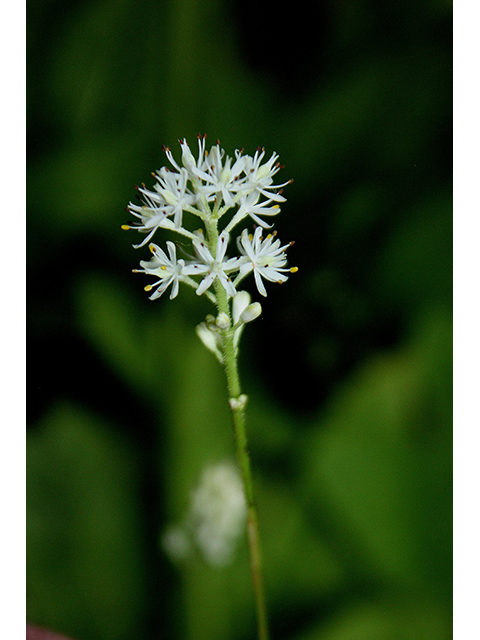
(348, 371)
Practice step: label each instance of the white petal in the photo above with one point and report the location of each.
(205, 283)
(259, 283)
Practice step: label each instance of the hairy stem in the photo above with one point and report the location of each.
(237, 406)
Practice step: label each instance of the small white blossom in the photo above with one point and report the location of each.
(260, 176)
(265, 257)
(215, 520)
(218, 513)
(151, 216)
(223, 177)
(168, 269)
(173, 194)
(212, 267)
(249, 205)
(188, 160)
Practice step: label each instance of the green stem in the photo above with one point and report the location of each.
(237, 405)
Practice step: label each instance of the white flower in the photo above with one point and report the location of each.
(249, 205)
(265, 257)
(170, 197)
(168, 269)
(218, 512)
(188, 160)
(152, 217)
(260, 176)
(223, 177)
(172, 194)
(215, 520)
(213, 267)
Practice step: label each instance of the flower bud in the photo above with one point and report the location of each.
(210, 339)
(222, 321)
(240, 303)
(251, 312)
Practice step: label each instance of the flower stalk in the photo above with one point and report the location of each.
(237, 402)
(207, 188)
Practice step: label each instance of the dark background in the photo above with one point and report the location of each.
(348, 371)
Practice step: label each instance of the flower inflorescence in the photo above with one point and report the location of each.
(208, 187)
(215, 519)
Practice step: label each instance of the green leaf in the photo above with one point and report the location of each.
(86, 570)
(378, 453)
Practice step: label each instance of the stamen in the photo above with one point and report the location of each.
(125, 227)
(293, 269)
(148, 287)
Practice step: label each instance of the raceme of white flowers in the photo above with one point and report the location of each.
(215, 520)
(204, 190)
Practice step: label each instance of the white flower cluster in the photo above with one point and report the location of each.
(207, 187)
(215, 519)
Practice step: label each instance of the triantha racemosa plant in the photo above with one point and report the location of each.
(207, 188)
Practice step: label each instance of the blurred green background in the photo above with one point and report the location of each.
(348, 372)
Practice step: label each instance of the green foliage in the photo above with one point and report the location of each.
(348, 372)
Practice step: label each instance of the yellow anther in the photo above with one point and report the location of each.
(148, 287)
(276, 206)
(294, 270)
(152, 248)
(125, 227)
(163, 267)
